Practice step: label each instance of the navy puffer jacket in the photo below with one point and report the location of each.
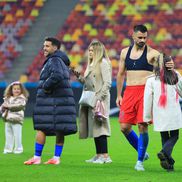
(55, 106)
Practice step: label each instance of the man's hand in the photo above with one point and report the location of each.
(119, 101)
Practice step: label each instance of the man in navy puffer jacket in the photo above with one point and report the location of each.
(54, 112)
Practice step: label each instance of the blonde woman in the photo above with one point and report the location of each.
(97, 77)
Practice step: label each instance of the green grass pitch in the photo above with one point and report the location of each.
(74, 169)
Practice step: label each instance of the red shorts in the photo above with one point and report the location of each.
(131, 109)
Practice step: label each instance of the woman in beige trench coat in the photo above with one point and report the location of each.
(97, 77)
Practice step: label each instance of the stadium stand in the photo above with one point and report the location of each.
(110, 22)
(16, 17)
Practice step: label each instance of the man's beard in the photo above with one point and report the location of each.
(47, 55)
(141, 44)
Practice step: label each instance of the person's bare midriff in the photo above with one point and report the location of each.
(137, 77)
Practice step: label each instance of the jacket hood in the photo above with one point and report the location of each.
(62, 56)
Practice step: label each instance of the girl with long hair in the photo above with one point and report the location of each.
(161, 105)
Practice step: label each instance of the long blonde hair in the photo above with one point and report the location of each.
(99, 52)
(8, 91)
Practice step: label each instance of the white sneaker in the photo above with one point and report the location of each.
(139, 166)
(99, 160)
(18, 151)
(6, 151)
(107, 159)
(92, 159)
(146, 157)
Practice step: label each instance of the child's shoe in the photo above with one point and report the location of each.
(53, 161)
(170, 169)
(171, 161)
(171, 166)
(6, 151)
(34, 160)
(163, 160)
(18, 151)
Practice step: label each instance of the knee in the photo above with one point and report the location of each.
(125, 130)
(40, 137)
(40, 134)
(143, 128)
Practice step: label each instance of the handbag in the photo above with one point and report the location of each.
(88, 98)
(100, 111)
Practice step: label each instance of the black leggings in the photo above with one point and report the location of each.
(169, 139)
(101, 144)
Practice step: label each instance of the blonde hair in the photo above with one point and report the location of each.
(8, 91)
(99, 52)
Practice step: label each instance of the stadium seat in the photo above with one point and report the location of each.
(15, 20)
(111, 22)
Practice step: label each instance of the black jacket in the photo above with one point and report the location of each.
(55, 106)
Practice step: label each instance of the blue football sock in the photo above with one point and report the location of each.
(133, 139)
(58, 150)
(38, 149)
(142, 145)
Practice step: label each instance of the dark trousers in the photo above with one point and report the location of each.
(101, 144)
(169, 139)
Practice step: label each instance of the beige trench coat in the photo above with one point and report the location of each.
(98, 80)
